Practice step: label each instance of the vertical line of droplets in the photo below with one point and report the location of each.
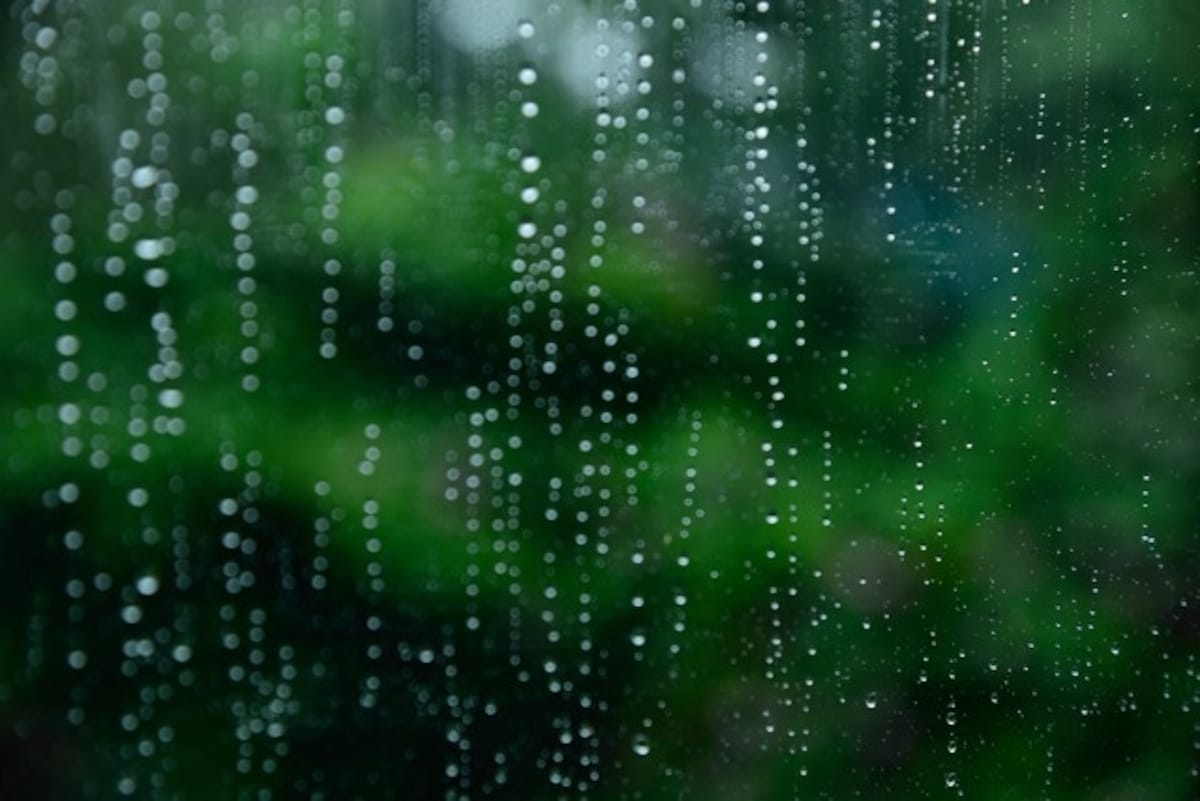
(242, 632)
(675, 544)
(971, 83)
(766, 294)
(456, 706)
(962, 72)
(607, 480)
(491, 478)
(809, 239)
(541, 267)
(328, 37)
(339, 81)
(960, 90)
(371, 683)
(595, 216)
(261, 712)
(809, 236)
(579, 728)
(329, 85)
(465, 478)
(885, 24)
(491, 75)
(51, 38)
(628, 463)
(141, 221)
(330, 516)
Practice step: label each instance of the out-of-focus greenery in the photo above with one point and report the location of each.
(970, 571)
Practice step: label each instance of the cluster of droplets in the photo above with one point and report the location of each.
(485, 482)
(614, 459)
(144, 195)
(50, 39)
(459, 711)
(136, 744)
(573, 762)
(464, 483)
(488, 477)
(157, 652)
(260, 702)
(593, 411)
(261, 715)
(967, 113)
(672, 136)
(609, 476)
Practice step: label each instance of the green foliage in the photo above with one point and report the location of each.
(963, 562)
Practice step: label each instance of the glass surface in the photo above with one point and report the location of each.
(565, 399)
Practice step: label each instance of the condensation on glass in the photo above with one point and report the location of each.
(697, 399)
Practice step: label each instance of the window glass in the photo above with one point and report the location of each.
(606, 399)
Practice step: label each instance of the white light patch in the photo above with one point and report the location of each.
(482, 24)
(591, 62)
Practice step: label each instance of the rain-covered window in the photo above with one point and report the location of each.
(600, 399)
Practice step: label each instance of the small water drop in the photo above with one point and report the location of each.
(148, 249)
(144, 177)
(170, 398)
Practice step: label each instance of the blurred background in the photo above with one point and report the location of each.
(577, 399)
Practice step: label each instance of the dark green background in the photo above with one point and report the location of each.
(982, 578)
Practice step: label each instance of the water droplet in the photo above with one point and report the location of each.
(144, 177)
(170, 398)
(148, 249)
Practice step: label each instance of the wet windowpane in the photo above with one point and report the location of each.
(621, 399)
